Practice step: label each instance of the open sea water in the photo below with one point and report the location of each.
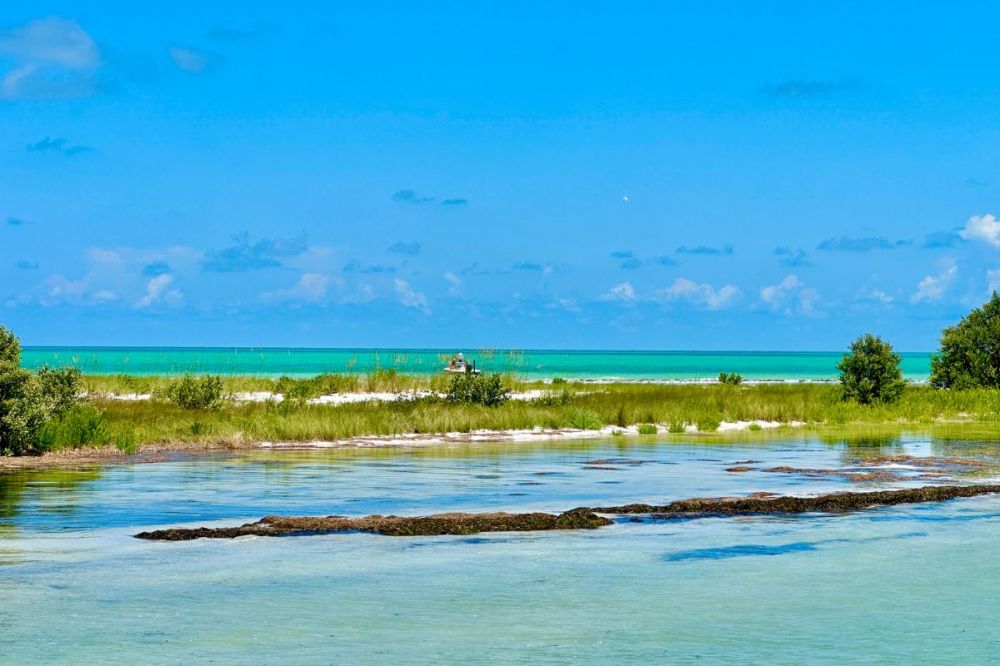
(569, 364)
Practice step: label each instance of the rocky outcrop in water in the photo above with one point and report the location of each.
(831, 503)
(575, 519)
(442, 523)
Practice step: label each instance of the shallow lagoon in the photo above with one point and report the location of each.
(911, 583)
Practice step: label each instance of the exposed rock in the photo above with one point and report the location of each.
(442, 523)
(739, 469)
(831, 503)
(575, 519)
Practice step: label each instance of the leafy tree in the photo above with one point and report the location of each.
(10, 347)
(869, 372)
(730, 378)
(970, 351)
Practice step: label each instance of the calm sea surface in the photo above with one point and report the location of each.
(529, 364)
(905, 584)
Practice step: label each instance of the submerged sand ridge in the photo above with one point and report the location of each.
(579, 518)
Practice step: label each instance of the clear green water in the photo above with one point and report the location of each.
(530, 364)
(907, 584)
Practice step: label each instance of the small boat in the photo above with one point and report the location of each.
(458, 364)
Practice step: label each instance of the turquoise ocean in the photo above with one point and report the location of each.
(530, 364)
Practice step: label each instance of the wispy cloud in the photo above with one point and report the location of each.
(932, 287)
(797, 88)
(50, 58)
(16, 222)
(874, 296)
(454, 201)
(792, 256)
(309, 288)
(702, 294)
(411, 249)
(454, 283)
(865, 244)
(244, 256)
(623, 292)
(25, 265)
(527, 265)
(410, 197)
(57, 145)
(984, 228)
(189, 60)
(158, 291)
(705, 250)
(993, 279)
(410, 297)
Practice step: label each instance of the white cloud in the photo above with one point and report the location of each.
(310, 288)
(983, 228)
(105, 296)
(410, 297)
(624, 292)
(701, 294)
(932, 287)
(104, 256)
(567, 304)
(156, 292)
(790, 295)
(875, 296)
(51, 58)
(993, 279)
(188, 60)
(454, 283)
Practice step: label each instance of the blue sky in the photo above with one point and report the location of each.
(530, 175)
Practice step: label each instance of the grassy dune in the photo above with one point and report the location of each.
(132, 424)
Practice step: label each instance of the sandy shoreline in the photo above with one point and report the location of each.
(70, 458)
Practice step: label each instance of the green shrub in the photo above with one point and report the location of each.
(24, 411)
(487, 390)
(10, 347)
(29, 402)
(585, 419)
(80, 425)
(869, 372)
(754, 427)
(190, 392)
(676, 427)
(730, 378)
(558, 380)
(647, 429)
(61, 387)
(970, 351)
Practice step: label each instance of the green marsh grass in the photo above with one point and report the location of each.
(584, 407)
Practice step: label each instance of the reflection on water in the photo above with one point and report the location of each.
(908, 583)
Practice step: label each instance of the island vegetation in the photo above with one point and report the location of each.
(55, 409)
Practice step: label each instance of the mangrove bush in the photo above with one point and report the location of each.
(970, 350)
(869, 372)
